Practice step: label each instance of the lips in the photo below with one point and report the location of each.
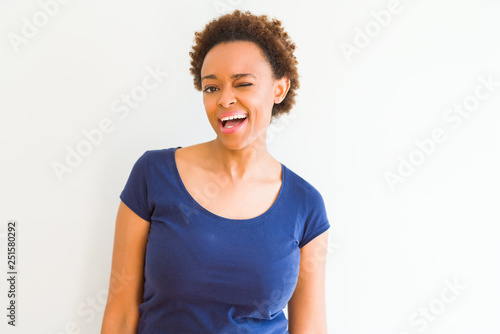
(231, 113)
(234, 126)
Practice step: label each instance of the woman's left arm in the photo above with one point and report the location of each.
(307, 307)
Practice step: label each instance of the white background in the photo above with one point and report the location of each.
(392, 250)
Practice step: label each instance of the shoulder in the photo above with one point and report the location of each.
(304, 188)
(301, 184)
(156, 154)
(155, 159)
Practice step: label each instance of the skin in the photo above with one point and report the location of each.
(239, 169)
(121, 314)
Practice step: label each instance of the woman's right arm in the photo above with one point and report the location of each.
(126, 286)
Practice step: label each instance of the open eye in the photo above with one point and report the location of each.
(207, 88)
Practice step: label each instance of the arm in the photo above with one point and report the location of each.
(307, 307)
(121, 315)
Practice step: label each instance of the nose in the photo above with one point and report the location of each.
(227, 98)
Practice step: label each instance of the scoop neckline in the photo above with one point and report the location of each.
(213, 215)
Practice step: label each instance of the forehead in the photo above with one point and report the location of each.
(234, 57)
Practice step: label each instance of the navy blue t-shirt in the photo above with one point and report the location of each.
(209, 274)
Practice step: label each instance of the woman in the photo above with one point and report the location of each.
(219, 237)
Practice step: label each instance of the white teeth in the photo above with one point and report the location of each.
(233, 117)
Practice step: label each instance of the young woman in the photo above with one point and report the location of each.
(219, 237)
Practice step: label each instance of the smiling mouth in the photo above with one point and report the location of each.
(232, 121)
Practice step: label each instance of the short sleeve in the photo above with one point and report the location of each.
(136, 192)
(316, 219)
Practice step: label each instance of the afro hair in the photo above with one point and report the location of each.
(268, 34)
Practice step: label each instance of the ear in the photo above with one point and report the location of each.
(281, 87)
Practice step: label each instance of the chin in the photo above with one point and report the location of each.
(232, 144)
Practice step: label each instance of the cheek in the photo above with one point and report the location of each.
(259, 103)
(262, 105)
(210, 104)
(210, 110)
(207, 100)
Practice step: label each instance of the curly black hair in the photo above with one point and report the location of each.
(268, 34)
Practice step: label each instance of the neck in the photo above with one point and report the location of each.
(246, 163)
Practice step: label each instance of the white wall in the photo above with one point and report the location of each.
(394, 250)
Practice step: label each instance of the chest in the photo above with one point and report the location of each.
(251, 266)
(241, 200)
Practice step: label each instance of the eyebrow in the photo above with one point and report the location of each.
(234, 76)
